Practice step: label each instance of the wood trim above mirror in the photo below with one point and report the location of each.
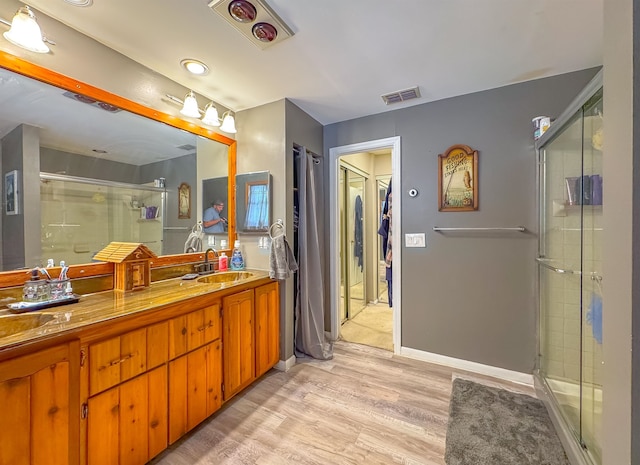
(25, 68)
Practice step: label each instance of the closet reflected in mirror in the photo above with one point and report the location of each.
(253, 202)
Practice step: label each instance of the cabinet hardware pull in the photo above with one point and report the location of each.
(84, 411)
(123, 359)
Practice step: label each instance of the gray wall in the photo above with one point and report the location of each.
(21, 232)
(470, 296)
(266, 135)
(621, 251)
(71, 164)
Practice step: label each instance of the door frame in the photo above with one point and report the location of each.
(335, 153)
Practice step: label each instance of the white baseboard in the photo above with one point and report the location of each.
(467, 365)
(285, 365)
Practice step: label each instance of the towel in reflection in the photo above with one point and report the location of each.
(281, 259)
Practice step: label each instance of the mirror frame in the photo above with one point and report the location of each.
(39, 73)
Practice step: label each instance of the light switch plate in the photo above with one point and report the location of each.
(415, 240)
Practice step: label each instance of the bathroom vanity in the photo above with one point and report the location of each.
(119, 376)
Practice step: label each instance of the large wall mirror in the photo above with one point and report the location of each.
(95, 168)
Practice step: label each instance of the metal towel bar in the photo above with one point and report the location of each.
(556, 269)
(518, 228)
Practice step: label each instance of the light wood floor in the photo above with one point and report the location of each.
(366, 406)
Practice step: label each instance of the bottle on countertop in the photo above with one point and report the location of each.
(223, 262)
(36, 289)
(237, 260)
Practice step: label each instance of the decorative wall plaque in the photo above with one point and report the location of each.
(458, 179)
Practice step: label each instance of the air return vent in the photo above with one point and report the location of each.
(401, 95)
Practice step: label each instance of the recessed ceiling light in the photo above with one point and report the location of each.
(80, 2)
(195, 66)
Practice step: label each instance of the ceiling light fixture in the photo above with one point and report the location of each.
(254, 19)
(80, 2)
(195, 66)
(209, 114)
(25, 31)
(242, 11)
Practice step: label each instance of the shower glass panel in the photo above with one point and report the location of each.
(570, 273)
(80, 216)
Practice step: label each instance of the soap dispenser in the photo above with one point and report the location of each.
(223, 262)
(237, 260)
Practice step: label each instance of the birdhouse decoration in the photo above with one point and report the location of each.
(132, 264)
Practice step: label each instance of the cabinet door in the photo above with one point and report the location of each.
(195, 382)
(193, 330)
(40, 413)
(238, 342)
(127, 425)
(267, 328)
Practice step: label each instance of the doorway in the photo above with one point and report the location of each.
(341, 282)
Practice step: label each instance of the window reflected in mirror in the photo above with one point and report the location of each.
(253, 201)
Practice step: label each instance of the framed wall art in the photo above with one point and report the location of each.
(11, 194)
(184, 201)
(458, 179)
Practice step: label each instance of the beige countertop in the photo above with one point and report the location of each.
(111, 305)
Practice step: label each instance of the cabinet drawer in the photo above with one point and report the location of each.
(124, 357)
(193, 330)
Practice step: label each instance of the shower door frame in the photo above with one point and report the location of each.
(575, 451)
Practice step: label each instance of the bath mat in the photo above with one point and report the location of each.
(493, 426)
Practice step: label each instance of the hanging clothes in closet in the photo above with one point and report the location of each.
(385, 232)
(357, 233)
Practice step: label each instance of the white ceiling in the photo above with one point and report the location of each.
(346, 53)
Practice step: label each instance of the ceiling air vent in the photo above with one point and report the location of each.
(401, 95)
(186, 147)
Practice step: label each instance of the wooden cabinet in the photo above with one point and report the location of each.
(267, 322)
(39, 401)
(128, 424)
(195, 388)
(123, 357)
(238, 342)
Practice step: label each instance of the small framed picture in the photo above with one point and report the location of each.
(184, 201)
(11, 194)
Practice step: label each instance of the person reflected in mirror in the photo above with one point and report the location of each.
(212, 221)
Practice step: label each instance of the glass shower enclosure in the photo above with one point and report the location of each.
(570, 272)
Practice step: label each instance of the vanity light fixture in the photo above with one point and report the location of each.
(190, 106)
(209, 114)
(195, 66)
(228, 123)
(25, 32)
(210, 117)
